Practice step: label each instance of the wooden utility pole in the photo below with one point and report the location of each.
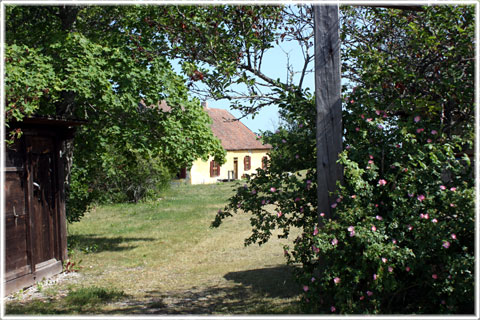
(328, 104)
(328, 101)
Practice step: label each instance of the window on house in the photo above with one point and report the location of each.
(246, 163)
(214, 169)
(264, 162)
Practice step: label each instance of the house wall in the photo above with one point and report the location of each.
(200, 171)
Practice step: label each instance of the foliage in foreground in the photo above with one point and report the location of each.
(97, 63)
(402, 239)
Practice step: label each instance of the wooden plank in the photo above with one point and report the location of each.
(17, 273)
(46, 271)
(14, 188)
(328, 104)
(61, 161)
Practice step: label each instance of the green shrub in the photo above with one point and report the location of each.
(402, 236)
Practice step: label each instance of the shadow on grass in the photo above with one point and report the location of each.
(259, 291)
(89, 243)
(276, 282)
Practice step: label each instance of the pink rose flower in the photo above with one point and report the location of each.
(305, 288)
(334, 242)
(434, 220)
(332, 308)
(394, 241)
(407, 269)
(409, 227)
(322, 214)
(336, 280)
(369, 293)
(351, 228)
(421, 197)
(434, 276)
(453, 189)
(434, 132)
(315, 249)
(454, 236)
(384, 260)
(382, 182)
(379, 217)
(442, 187)
(313, 279)
(334, 205)
(419, 130)
(353, 196)
(390, 269)
(374, 228)
(279, 214)
(272, 189)
(417, 119)
(374, 276)
(446, 244)
(362, 297)
(315, 231)
(352, 234)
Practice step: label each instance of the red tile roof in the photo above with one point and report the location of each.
(233, 134)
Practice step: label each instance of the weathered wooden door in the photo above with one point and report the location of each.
(235, 168)
(17, 259)
(43, 218)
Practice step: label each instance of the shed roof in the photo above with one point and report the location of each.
(233, 134)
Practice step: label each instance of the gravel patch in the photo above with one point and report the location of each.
(36, 291)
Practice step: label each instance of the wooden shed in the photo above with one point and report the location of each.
(35, 222)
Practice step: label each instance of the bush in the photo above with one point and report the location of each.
(402, 236)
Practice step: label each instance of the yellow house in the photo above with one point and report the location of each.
(245, 154)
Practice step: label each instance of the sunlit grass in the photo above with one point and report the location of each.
(162, 257)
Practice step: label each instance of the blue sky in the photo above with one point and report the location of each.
(275, 66)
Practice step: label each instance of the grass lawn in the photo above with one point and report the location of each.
(161, 257)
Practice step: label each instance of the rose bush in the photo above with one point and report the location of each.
(402, 237)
